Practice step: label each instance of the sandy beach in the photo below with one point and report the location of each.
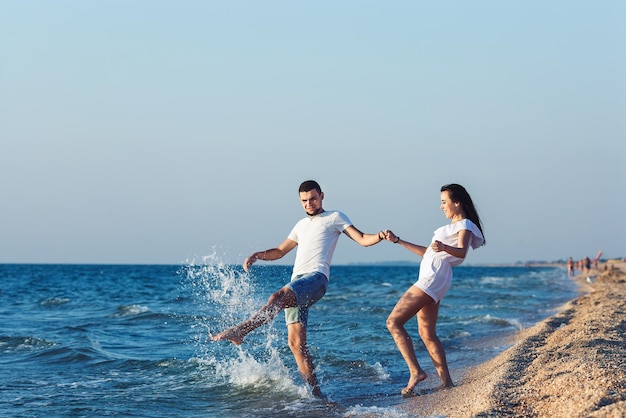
(572, 364)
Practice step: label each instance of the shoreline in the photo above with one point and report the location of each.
(572, 364)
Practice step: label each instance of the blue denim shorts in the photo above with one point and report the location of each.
(308, 288)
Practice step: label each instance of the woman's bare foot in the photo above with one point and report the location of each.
(444, 386)
(231, 334)
(407, 392)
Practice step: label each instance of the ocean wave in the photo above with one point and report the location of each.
(494, 280)
(502, 321)
(23, 344)
(95, 356)
(54, 301)
(130, 310)
(459, 334)
(66, 355)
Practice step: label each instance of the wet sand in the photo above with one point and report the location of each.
(573, 364)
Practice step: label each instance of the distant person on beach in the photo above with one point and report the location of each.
(448, 248)
(316, 237)
(570, 266)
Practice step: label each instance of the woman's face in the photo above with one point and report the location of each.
(449, 208)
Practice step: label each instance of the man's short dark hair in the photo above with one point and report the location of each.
(309, 185)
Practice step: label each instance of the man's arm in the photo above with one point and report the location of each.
(365, 240)
(271, 254)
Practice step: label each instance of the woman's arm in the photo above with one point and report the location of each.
(414, 248)
(459, 252)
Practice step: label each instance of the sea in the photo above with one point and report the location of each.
(133, 340)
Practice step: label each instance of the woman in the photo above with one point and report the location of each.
(448, 248)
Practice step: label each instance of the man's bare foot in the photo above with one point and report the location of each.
(230, 334)
(407, 392)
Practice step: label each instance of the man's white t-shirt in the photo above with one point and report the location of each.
(317, 239)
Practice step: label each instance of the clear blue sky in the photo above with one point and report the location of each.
(161, 131)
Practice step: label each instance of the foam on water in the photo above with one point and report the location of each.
(23, 344)
(374, 412)
(130, 310)
(54, 301)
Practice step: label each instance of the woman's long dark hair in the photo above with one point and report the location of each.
(459, 194)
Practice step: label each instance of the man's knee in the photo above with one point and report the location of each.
(296, 338)
(284, 298)
(295, 343)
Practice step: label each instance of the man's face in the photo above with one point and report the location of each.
(312, 202)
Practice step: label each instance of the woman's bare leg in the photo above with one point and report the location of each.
(284, 298)
(427, 323)
(407, 307)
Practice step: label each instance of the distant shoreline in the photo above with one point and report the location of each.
(365, 264)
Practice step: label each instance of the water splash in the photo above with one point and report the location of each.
(222, 290)
(227, 295)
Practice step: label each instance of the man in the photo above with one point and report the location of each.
(316, 238)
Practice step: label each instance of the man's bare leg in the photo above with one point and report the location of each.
(297, 343)
(284, 298)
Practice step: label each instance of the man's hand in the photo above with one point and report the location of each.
(249, 262)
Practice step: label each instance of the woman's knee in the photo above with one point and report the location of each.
(428, 335)
(393, 323)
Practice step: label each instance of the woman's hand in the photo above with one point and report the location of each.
(390, 236)
(438, 246)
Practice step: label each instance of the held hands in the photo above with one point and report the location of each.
(389, 236)
(436, 246)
